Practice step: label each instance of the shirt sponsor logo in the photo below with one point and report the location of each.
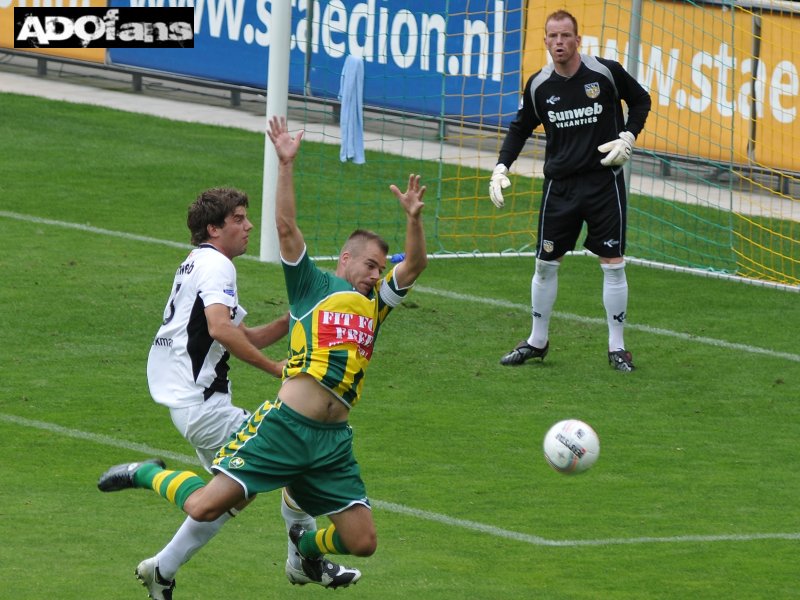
(337, 328)
(575, 116)
(185, 268)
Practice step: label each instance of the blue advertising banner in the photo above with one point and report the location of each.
(459, 60)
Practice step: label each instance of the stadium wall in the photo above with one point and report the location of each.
(470, 65)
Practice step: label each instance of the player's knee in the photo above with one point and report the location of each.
(364, 545)
(199, 511)
(546, 268)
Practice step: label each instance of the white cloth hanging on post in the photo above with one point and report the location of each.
(351, 119)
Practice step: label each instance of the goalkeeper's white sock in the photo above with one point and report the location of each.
(292, 514)
(544, 288)
(191, 536)
(615, 300)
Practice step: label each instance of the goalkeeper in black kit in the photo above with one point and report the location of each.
(577, 100)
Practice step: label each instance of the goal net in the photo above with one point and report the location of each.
(714, 179)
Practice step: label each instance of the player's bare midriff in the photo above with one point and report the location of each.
(303, 394)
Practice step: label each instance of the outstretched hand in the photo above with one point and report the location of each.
(411, 199)
(286, 146)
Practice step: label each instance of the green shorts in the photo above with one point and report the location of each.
(278, 447)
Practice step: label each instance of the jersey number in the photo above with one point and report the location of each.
(171, 305)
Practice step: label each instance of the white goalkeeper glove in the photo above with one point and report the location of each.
(497, 184)
(619, 150)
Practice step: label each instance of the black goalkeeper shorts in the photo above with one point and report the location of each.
(596, 198)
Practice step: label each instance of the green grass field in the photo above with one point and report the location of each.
(694, 495)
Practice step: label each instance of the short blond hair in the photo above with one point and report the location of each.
(560, 15)
(360, 238)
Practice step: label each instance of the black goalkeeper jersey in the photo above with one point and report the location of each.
(578, 114)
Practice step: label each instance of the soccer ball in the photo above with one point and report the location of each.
(571, 446)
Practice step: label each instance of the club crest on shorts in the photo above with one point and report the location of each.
(592, 89)
(236, 463)
(547, 246)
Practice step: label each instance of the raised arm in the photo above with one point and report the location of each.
(286, 147)
(416, 258)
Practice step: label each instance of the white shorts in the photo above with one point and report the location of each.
(208, 426)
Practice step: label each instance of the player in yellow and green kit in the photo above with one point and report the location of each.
(302, 441)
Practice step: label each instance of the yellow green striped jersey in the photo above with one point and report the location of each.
(332, 327)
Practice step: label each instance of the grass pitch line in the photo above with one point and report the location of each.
(433, 291)
(89, 229)
(540, 541)
(401, 509)
(597, 321)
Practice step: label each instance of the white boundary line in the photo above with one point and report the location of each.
(597, 321)
(534, 540)
(436, 292)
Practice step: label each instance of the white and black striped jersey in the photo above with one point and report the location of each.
(186, 365)
(578, 114)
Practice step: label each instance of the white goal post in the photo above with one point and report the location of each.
(277, 104)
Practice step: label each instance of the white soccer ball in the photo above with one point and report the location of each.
(571, 446)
